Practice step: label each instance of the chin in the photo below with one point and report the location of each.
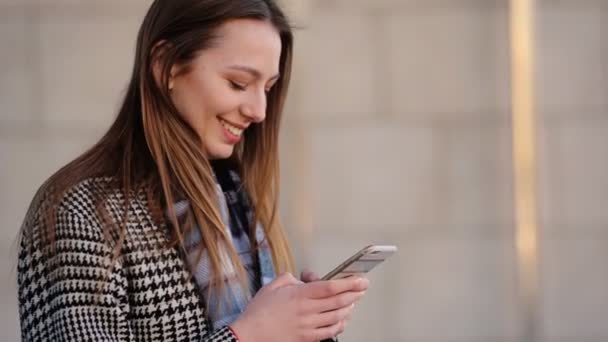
(220, 152)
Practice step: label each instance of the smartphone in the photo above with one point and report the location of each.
(362, 262)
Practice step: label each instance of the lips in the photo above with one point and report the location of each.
(232, 128)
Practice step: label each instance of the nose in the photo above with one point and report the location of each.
(254, 108)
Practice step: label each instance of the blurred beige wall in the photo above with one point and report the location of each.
(397, 130)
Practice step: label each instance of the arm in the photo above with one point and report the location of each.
(224, 334)
(71, 296)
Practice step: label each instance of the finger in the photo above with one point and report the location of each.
(349, 317)
(330, 318)
(329, 332)
(342, 300)
(308, 276)
(329, 288)
(284, 279)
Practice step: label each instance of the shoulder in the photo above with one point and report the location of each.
(82, 198)
(88, 214)
(68, 207)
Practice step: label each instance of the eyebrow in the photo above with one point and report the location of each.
(255, 73)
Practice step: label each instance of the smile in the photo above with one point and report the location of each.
(231, 128)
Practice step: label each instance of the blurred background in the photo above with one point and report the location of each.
(399, 130)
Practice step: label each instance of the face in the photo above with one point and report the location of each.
(225, 89)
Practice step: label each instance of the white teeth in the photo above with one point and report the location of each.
(232, 129)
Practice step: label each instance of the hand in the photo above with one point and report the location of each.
(308, 276)
(289, 310)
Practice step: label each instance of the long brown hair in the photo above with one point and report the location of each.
(150, 149)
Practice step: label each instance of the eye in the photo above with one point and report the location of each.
(237, 86)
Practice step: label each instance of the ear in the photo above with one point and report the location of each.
(158, 57)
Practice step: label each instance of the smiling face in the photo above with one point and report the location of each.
(225, 88)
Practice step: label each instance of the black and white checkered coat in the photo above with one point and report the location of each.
(149, 295)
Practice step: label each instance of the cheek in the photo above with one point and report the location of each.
(213, 103)
(185, 104)
(206, 97)
(200, 102)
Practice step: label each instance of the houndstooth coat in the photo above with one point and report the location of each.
(148, 296)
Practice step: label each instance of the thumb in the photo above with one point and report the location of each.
(284, 279)
(308, 276)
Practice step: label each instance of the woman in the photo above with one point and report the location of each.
(166, 230)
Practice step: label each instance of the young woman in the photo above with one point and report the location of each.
(166, 230)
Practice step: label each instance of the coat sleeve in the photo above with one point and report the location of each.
(70, 294)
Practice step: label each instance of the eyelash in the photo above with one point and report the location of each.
(239, 87)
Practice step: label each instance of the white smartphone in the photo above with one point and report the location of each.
(362, 262)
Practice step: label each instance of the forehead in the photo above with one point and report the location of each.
(248, 42)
